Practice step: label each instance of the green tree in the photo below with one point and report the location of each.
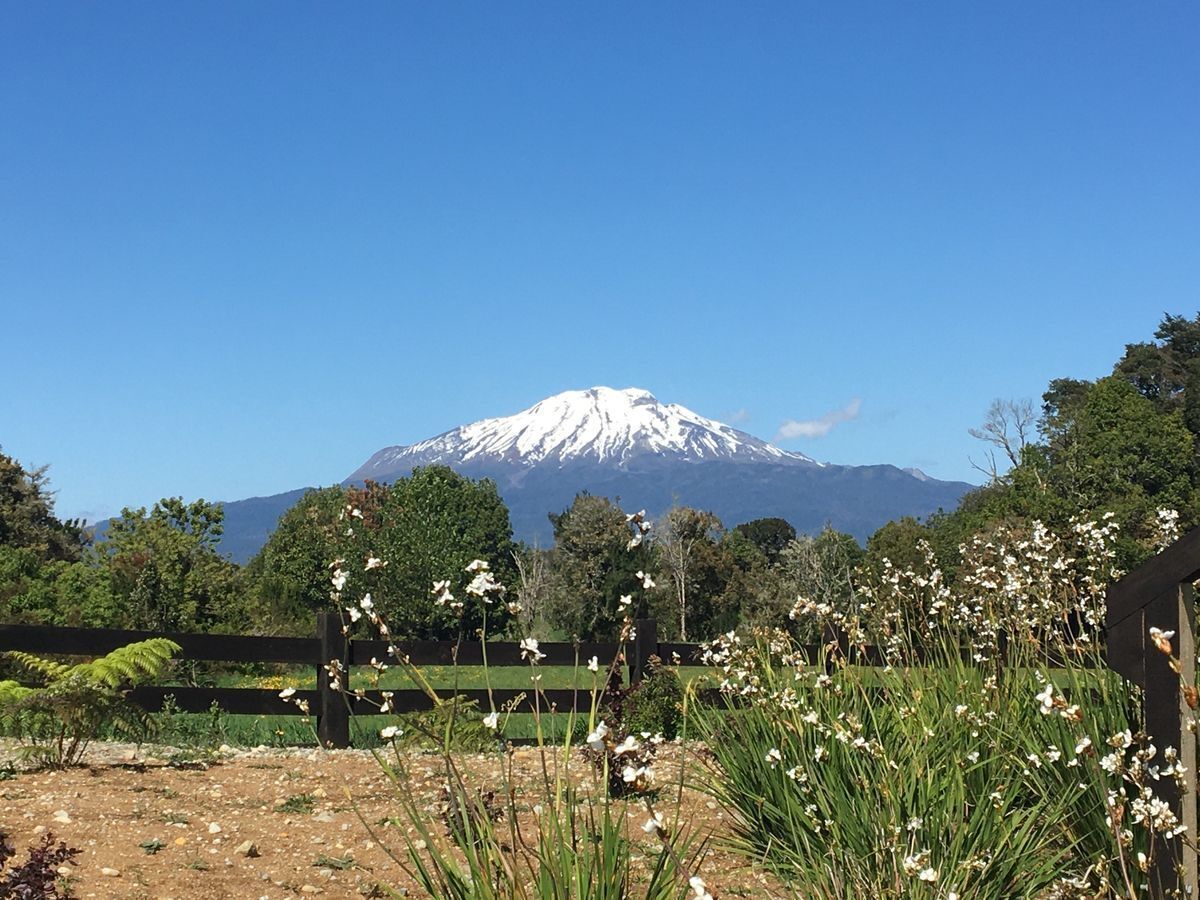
(27, 519)
(164, 568)
(427, 527)
(898, 543)
(769, 535)
(695, 567)
(593, 567)
(290, 575)
(1161, 370)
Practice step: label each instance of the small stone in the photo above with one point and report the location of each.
(110, 873)
(62, 818)
(325, 816)
(214, 828)
(64, 871)
(310, 889)
(39, 829)
(325, 872)
(319, 793)
(246, 849)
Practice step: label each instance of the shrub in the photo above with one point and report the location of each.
(37, 877)
(964, 766)
(74, 704)
(654, 706)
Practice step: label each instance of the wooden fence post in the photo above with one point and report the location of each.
(645, 645)
(333, 712)
(1167, 716)
(1158, 594)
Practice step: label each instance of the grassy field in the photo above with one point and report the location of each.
(215, 728)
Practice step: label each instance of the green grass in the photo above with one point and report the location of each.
(210, 730)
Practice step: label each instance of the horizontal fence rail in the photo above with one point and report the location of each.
(333, 709)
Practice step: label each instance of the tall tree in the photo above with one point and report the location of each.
(686, 539)
(769, 535)
(594, 567)
(427, 527)
(27, 519)
(164, 568)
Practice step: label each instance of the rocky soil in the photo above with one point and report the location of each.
(273, 824)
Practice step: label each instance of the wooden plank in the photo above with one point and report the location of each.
(249, 701)
(471, 653)
(1177, 564)
(99, 641)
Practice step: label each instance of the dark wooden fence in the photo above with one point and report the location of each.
(1159, 594)
(330, 707)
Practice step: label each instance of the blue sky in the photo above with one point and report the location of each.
(243, 246)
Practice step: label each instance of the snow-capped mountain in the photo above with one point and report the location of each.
(626, 445)
(601, 425)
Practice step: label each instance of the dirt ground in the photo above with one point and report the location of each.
(151, 830)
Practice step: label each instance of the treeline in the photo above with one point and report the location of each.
(1125, 445)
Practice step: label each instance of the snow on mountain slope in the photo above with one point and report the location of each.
(600, 425)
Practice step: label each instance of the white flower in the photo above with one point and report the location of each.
(699, 888)
(595, 740)
(286, 693)
(1162, 640)
(484, 583)
(353, 613)
(441, 589)
(492, 720)
(529, 650)
(1084, 744)
(338, 580)
(366, 602)
(625, 600)
(594, 664)
(1046, 699)
(654, 825)
(647, 581)
(929, 873)
(374, 562)
(774, 757)
(390, 732)
(629, 745)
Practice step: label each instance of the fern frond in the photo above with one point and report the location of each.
(12, 692)
(131, 664)
(47, 669)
